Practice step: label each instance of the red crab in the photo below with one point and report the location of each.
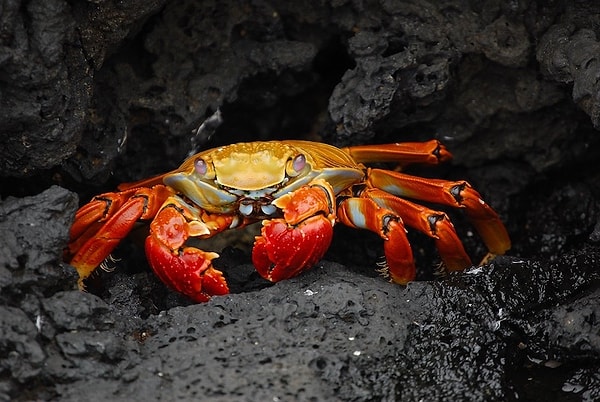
(299, 190)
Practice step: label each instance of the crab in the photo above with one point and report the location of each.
(299, 190)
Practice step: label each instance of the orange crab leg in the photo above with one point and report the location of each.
(434, 224)
(405, 153)
(365, 213)
(99, 209)
(452, 193)
(101, 224)
(287, 246)
(186, 269)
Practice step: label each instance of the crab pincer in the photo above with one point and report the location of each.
(185, 269)
(287, 246)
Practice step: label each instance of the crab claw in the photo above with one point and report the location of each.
(190, 272)
(288, 246)
(283, 251)
(187, 270)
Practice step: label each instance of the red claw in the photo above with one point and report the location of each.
(190, 272)
(284, 251)
(187, 270)
(295, 243)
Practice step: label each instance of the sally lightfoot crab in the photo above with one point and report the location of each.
(299, 190)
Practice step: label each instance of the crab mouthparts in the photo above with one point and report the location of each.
(261, 208)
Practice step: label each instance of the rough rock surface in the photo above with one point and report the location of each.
(99, 92)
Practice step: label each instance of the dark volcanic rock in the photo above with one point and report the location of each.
(95, 93)
(33, 236)
(475, 341)
(39, 54)
(568, 52)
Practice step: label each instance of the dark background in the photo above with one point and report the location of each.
(95, 93)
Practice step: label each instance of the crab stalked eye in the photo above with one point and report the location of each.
(200, 166)
(299, 163)
(296, 165)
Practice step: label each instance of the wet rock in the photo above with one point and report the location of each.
(474, 336)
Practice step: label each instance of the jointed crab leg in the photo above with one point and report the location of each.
(434, 224)
(456, 194)
(365, 213)
(404, 153)
(101, 224)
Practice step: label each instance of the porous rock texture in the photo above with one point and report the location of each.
(98, 92)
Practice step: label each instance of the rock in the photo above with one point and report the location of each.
(34, 232)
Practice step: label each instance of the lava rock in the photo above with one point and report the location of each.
(473, 340)
(34, 232)
(22, 356)
(38, 54)
(567, 53)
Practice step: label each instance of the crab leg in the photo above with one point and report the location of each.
(102, 223)
(434, 224)
(452, 193)
(365, 213)
(405, 153)
(186, 269)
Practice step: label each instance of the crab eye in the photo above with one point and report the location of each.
(200, 166)
(298, 163)
(295, 166)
